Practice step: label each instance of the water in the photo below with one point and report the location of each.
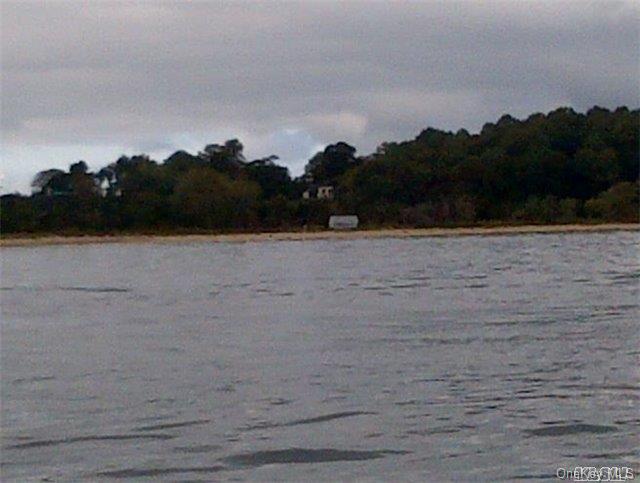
(431, 359)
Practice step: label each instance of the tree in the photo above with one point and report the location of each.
(182, 161)
(227, 158)
(618, 203)
(48, 179)
(207, 198)
(593, 171)
(18, 214)
(273, 180)
(78, 168)
(327, 166)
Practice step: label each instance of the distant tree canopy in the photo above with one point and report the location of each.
(327, 166)
(560, 167)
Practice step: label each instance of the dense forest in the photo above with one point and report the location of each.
(560, 167)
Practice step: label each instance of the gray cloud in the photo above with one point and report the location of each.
(107, 77)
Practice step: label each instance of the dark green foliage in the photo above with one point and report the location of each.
(78, 168)
(556, 168)
(540, 170)
(273, 180)
(181, 162)
(620, 202)
(18, 213)
(226, 158)
(206, 198)
(327, 166)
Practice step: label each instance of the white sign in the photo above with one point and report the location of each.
(348, 222)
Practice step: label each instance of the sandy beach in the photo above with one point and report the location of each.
(19, 241)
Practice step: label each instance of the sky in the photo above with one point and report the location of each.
(95, 80)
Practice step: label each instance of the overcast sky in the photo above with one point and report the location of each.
(98, 79)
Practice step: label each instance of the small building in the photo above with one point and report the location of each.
(101, 186)
(318, 192)
(343, 222)
(325, 192)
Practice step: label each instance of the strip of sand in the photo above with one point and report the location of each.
(313, 235)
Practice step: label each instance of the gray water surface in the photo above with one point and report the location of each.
(427, 359)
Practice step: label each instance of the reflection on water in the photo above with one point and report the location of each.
(466, 359)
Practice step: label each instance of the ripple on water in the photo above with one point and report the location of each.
(327, 417)
(278, 401)
(94, 289)
(156, 427)
(304, 455)
(27, 288)
(29, 380)
(257, 459)
(157, 472)
(81, 439)
(199, 448)
(314, 420)
(569, 429)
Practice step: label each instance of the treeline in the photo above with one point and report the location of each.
(556, 168)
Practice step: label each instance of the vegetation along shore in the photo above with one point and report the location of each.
(563, 167)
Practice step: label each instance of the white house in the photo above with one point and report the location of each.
(319, 192)
(325, 192)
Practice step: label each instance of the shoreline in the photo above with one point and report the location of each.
(313, 235)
